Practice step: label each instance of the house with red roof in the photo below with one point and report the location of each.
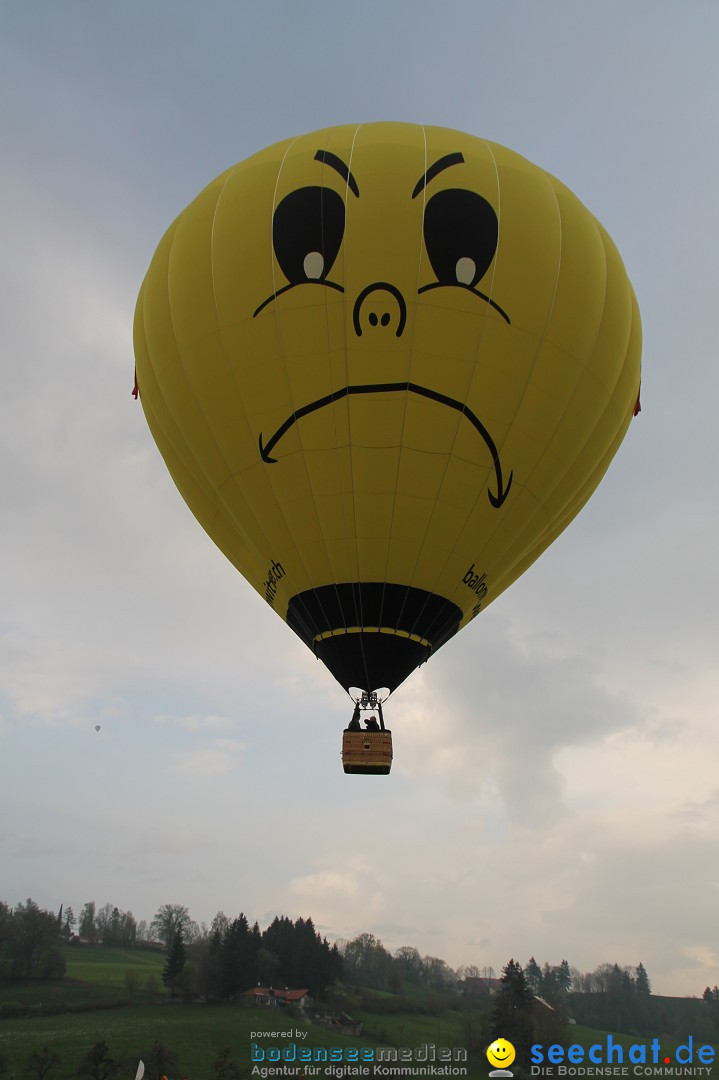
(269, 996)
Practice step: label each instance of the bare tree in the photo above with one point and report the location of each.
(41, 1062)
(170, 918)
(98, 1064)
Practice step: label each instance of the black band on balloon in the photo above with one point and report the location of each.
(362, 656)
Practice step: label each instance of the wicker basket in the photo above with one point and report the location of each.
(367, 752)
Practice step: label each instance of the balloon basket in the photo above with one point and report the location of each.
(367, 752)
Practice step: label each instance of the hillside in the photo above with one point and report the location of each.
(92, 1003)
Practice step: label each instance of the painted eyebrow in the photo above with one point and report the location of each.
(339, 166)
(438, 167)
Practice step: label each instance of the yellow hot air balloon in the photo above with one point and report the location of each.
(386, 365)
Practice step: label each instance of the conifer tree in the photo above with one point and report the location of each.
(564, 977)
(512, 1013)
(175, 961)
(642, 983)
(533, 975)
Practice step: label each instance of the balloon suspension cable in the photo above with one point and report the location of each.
(370, 701)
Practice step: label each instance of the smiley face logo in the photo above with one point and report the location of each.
(500, 1054)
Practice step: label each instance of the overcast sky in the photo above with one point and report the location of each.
(556, 782)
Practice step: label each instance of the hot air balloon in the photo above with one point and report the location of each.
(386, 365)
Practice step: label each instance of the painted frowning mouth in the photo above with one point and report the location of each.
(382, 388)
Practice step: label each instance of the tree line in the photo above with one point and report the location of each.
(230, 956)
(366, 962)
(29, 943)
(233, 957)
(218, 962)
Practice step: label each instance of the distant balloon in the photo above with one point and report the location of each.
(97, 727)
(386, 366)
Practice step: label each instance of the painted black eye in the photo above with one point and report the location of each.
(460, 234)
(307, 230)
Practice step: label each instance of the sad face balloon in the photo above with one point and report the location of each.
(385, 365)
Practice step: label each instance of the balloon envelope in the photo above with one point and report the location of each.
(386, 366)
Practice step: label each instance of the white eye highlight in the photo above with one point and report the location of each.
(314, 265)
(465, 270)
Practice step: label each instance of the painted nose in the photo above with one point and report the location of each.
(380, 308)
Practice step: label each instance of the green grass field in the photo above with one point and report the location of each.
(197, 1032)
(412, 1029)
(97, 975)
(93, 977)
(107, 966)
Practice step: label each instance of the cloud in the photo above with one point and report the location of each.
(334, 885)
(39, 679)
(352, 893)
(217, 757)
(197, 723)
(25, 845)
(491, 725)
